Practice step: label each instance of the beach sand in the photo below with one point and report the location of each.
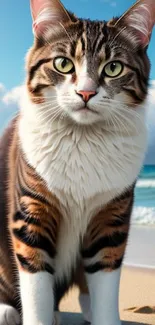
(137, 288)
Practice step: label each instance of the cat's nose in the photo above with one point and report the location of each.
(86, 95)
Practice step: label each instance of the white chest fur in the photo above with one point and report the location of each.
(85, 167)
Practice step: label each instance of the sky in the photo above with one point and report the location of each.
(16, 38)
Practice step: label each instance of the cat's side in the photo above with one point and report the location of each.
(69, 163)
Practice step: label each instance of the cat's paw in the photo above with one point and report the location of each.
(9, 315)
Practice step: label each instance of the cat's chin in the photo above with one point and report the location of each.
(85, 116)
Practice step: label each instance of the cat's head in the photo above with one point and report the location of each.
(86, 70)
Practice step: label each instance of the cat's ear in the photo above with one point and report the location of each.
(141, 19)
(47, 12)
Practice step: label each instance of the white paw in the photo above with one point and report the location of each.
(9, 315)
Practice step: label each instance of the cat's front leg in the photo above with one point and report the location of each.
(103, 250)
(34, 230)
(104, 289)
(37, 297)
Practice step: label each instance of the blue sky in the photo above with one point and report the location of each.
(16, 33)
(16, 38)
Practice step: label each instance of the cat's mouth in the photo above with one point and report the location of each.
(85, 109)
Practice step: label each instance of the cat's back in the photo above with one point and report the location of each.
(7, 263)
(5, 146)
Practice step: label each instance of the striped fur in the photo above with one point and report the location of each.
(35, 217)
(68, 168)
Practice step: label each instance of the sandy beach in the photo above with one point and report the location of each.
(137, 289)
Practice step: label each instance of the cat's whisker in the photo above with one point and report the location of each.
(116, 162)
(48, 102)
(132, 113)
(56, 116)
(119, 119)
(49, 108)
(110, 130)
(49, 97)
(44, 117)
(43, 113)
(49, 118)
(123, 126)
(130, 109)
(42, 97)
(119, 115)
(127, 114)
(40, 110)
(128, 119)
(47, 112)
(44, 109)
(119, 131)
(122, 103)
(125, 109)
(107, 127)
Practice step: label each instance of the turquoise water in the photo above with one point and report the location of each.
(148, 172)
(144, 208)
(145, 189)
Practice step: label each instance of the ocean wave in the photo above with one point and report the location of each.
(143, 215)
(145, 183)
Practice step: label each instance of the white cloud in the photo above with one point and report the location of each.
(111, 3)
(2, 87)
(6, 112)
(13, 96)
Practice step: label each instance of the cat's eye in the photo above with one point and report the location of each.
(113, 69)
(63, 65)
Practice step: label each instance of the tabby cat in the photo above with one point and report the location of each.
(69, 163)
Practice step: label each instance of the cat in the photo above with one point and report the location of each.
(69, 163)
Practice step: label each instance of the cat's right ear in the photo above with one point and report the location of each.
(140, 19)
(46, 13)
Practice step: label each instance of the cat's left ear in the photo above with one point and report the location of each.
(141, 19)
(47, 12)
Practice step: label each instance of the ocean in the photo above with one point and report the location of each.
(144, 207)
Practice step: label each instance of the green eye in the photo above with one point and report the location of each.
(113, 69)
(63, 65)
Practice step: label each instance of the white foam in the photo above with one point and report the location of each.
(143, 215)
(146, 183)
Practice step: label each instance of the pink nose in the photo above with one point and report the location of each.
(86, 95)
